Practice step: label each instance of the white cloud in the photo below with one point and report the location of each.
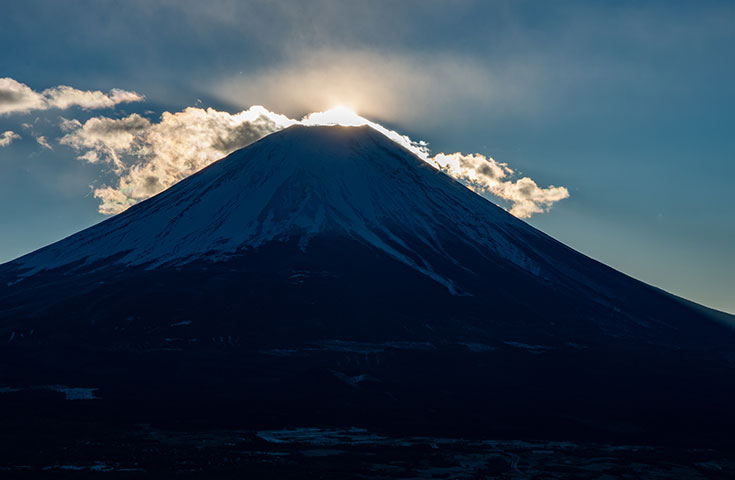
(16, 97)
(6, 138)
(477, 170)
(41, 140)
(527, 198)
(104, 139)
(484, 174)
(149, 157)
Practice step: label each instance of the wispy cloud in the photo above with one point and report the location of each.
(6, 138)
(17, 97)
(41, 140)
(416, 88)
(149, 157)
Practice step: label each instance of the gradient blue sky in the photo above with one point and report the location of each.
(627, 104)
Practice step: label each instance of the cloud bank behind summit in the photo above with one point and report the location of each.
(147, 157)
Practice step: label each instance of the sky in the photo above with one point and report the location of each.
(608, 125)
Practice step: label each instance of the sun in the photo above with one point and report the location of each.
(338, 115)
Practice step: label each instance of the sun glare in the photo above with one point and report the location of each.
(339, 115)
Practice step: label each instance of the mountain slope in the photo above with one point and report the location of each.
(299, 183)
(316, 182)
(327, 269)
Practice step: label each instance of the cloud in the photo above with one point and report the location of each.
(104, 139)
(6, 138)
(484, 174)
(41, 140)
(527, 198)
(149, 157)
(475, 169)
(16, 97)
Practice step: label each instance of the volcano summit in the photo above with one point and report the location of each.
(326, 275)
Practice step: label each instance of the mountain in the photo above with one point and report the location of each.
(326, 275)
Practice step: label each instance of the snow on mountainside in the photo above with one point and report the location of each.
(328, 184)
(301, 182)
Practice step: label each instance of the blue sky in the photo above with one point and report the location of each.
(626, 104)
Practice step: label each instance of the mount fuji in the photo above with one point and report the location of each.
(326, 275)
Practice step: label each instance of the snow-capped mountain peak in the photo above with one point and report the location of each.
(297, 183)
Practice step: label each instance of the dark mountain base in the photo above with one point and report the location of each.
(454, 393)
(106, 451)
(294, 341)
